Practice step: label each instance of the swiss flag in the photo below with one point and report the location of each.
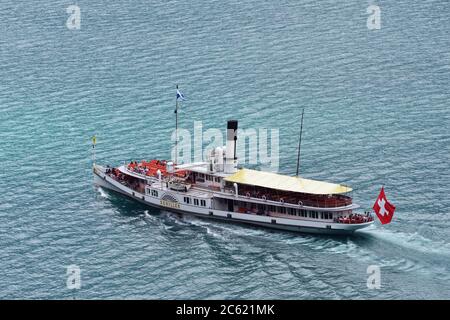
(383, 208)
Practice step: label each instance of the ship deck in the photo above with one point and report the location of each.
(109, 179)
(244, 195)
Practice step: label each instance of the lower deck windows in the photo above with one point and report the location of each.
(195, 201)
(327, 215)
(313, 214)
(281, 210)
(246, 207)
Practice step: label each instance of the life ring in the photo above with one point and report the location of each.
(300, 203)
(281, 200)
(264, 198)
(248, 194)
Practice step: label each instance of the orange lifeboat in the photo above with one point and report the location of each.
(151, 167)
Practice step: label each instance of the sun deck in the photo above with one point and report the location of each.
(286, 183)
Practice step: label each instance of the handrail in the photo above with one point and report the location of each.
(229, 192)
(325, 203)
(313, 203)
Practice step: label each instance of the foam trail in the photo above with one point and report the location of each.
(413, 241)
(209, 227)
(102, 192)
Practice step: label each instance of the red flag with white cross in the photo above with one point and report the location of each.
(383, 208)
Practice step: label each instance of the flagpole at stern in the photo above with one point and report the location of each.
(176, 128)
(94, 142)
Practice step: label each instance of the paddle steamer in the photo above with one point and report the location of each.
(218, 189)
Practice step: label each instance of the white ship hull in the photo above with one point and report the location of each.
(176, 205)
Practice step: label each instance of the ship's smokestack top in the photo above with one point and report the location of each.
(232, 124)
(230, 154)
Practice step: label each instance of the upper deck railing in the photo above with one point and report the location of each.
(332, 201)
(325, 201)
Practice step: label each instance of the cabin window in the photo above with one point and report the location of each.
(281, 209)
(187, 200)
(217, 180)
(313, 214)
(154, 193)
(196, 202)
(203, 203)
(327, 215)
(201, 175)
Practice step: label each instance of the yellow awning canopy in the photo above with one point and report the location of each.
(285, 183)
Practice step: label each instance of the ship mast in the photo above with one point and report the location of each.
(300, 143)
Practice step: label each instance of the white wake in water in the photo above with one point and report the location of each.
(412, 241)
(102, 193)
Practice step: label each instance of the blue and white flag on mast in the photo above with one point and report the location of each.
(180, 95)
